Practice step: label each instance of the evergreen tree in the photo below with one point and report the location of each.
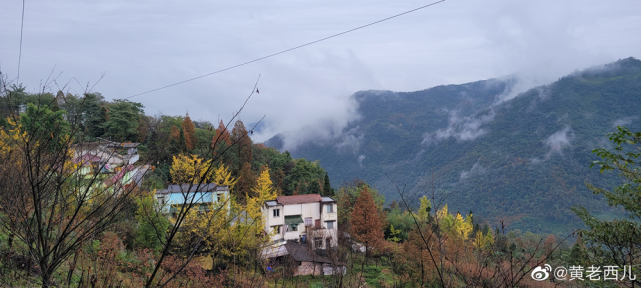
(314, 187)
(327, 188)
(45, 126)
(122, 120)
(243, 143)
(94, 114)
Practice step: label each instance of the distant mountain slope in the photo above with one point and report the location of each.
(523, 161)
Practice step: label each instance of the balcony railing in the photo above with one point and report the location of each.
(330, 215)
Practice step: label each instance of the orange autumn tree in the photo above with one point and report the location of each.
(189, 131)
(174, 134)
(222, 134)
(365, 223)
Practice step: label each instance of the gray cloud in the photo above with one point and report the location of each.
(624, 121)
(536, 160)
(463, 129)
(350, 141)
(559, 140)
(477, 169)
(542, 41)
(360, 160)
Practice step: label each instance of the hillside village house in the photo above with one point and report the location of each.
(204, 195)
(107, 154)
(113, 161)
(302, 218)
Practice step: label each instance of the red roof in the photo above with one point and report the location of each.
(298, 199)
(122, 173)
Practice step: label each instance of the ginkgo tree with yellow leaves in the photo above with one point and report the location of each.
(191, 169)
(225, 232)
(455, 225)
(263, 191)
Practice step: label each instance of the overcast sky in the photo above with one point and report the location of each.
(143, 45)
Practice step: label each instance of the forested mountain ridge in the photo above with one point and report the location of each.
(524, 161)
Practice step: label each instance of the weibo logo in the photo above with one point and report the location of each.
(540, 274)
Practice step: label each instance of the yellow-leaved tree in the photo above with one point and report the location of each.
(424, 209)
(192, 169)
(263, 191)
(211, 228)
(222, 176)
(445, 219)
(484, 242)
(253, 225)
(462, 227)
(189, 169)
(208, 228)
(236, 237)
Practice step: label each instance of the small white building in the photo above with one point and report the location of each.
(302, 218)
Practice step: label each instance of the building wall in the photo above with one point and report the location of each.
(270, 220)
(309, 268)
(168, 201)
(314, 210)
(329, 270)
(329, 216)
(293, 209)
(311, 210)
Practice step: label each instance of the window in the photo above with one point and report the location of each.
(330, 208)
(318, 243)
(329, 224)
(219, 197)
(276, 229)
(293, 227)
(308, 221)
(276, 213)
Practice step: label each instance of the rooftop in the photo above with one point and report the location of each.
(271, 203)
(298, 199)
(301, 252)
(327, 199)
(86, 159)
(117, 144)
(205, 187)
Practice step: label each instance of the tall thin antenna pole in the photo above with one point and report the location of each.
(20, 54)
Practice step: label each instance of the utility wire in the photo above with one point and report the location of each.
(284, 51)
(20, 54)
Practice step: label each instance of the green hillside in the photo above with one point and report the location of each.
(522, 161)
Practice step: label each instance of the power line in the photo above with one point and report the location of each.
(284, 51)
(20, 54)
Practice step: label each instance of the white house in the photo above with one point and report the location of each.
(302, 218)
